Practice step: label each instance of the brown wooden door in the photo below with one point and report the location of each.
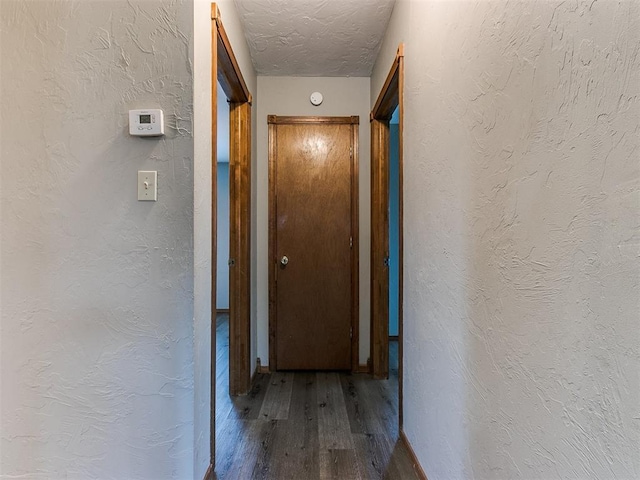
(312, 250)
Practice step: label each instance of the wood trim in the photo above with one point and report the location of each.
(401, 233)
(354, 121)
(209, 473)
(355, 251)
(225, 69)
(391, 95)
(362, 368)
(393, 338)
(273, 318)
(414, 460)
(214, 237)
(229, 74)
(222, 310)
(240, 248)
(283, 119)
(379, 339)
(388, 97)
(259, 369)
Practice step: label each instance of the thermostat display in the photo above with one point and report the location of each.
(146, 123)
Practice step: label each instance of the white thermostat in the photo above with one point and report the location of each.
(146, 123)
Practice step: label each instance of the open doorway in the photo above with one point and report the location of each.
(231, 95)
(386, 227)
(394, 240)
(223, 237)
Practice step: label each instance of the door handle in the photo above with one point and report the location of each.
(284, 260)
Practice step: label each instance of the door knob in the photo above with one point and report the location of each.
(284, 260)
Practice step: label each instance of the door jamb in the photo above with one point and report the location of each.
(354, 121)
(225, 69)
(391, 96)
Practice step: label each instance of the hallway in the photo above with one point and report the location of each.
(308, 425)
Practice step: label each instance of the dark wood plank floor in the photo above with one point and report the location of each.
(308, 425)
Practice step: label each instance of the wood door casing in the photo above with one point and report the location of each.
(225, 69)
(391, 96)
(313, 173)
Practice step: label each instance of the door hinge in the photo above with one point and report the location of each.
(231, 262)
(351, 152)
(350, 242)
(387, 261)
(350, 332)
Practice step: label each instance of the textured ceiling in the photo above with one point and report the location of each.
(324, 38)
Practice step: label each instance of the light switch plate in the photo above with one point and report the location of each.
(148, 185)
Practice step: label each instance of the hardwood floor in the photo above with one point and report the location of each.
(308, 425)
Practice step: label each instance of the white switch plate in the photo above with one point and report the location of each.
(148, 185)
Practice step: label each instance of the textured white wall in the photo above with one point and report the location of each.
(202, 200)
(96, 334)
(290, 96)
(521, 236)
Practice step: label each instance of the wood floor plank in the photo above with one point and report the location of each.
(309, 426)
(363, 417)
(380, 399)
(266, 454)
(296, 451)
(247, 407)
(334, 431)
(339, 465)
(278, 397)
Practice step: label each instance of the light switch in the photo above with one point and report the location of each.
(148, 185)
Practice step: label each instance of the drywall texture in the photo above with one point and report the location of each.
(290, 96)
(96, 335)
(314, 38)
(522, 135)
(202, 88)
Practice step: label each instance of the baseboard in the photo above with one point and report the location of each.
(222, 310)
(255, 372)
(414, 460)
(260, 368)
(363, 368)
(209, 474)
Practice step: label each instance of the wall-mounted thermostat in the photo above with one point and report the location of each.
(146, 123)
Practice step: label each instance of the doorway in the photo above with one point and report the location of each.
(313, 243)
(386, 221)
(225, 70)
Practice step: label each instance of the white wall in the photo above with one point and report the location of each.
(521, 236)
(96, 333)
(202, 201)
(290, 96)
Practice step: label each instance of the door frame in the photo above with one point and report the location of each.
(225, 69)
(354, 121)
(390, 96)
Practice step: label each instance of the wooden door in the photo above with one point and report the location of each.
(313, 255)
